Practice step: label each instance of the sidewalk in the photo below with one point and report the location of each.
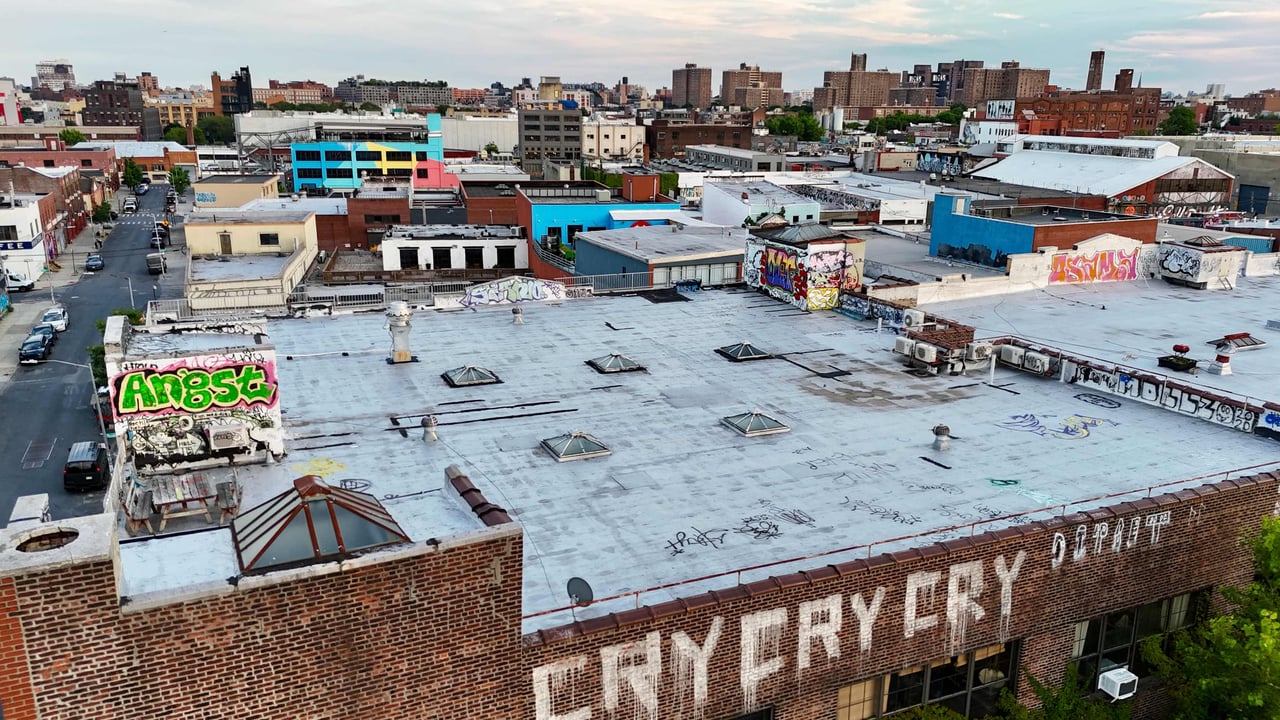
(16, 322)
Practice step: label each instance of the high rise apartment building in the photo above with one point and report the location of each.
(54, 74)
(855, 87)
(691, 85)
(1009, 81)
(118, 103)
(233, 95)
(751, 87)
(147, 82)
(548, 135)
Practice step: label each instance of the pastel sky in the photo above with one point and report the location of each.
(1175, 44)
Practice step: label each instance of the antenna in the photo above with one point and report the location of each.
(580, 592)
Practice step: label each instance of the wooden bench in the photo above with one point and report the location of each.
(138, 511)
(228, 500)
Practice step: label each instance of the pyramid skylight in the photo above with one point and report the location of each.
(614, 363)
(313, 521)
(575, 446)
(754, 423)
(742, 351)
(469, 375)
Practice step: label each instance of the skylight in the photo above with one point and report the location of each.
(614, 363)
(469, 375)
(754, 423)
(313, 521)
(575, 446)
(742, 351)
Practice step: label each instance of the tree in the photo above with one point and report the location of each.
(217, 128)
(176, 134)
(491, 149)
(950, 117)
(102, 213)
(72, 136)
(804, 126)
(1181, 121)
(1229, 666)
(132, 176)
(180, 180)
(199, 136)
(370, 107)
(1067, 702)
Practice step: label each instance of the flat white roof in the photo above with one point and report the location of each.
(236, 267)
(726, 150)
(319, 206)
(1105, 175)
(134, 148)
(676, 216)
(759, 190)
(682, 496)
(658, 244)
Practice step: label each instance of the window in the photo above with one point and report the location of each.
(8, 232)
(968, 683)
(310, 173)
(269, 239)
(157, 167)
(422, 172)
(441, 258)
(336, 155)
(333, 173)
(399, 172)
(308, 155)
(1115, 640)
(420, 155)
(506, 256)
(369, 155)
(86, 163)
(48, 163)
(381, 219)
(399, 156)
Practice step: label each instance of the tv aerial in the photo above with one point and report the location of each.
(580, 593)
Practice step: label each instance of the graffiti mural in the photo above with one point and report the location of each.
(782, 270)
(1102, 266)
(510, 290)
(193, 390)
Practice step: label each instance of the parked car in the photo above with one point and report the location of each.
(156, 264)
(141, 189)
(47, 330)
(87, 467)
(34, 349)
(58, 317)
(18, 282)
(159, 241)
(130, 205)
(94, 263)
(162, 229)
(115, 215)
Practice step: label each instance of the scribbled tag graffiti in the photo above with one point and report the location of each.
(1073, 427)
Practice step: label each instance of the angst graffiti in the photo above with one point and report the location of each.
(635, 668)
(194, 390)
(1104, 266)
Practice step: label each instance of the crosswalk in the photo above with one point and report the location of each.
(147, 219)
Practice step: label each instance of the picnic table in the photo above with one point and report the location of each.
(182, 495)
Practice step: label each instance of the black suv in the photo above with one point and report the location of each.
(86, 467)
(34, 349)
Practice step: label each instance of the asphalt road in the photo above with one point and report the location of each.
(47, 406)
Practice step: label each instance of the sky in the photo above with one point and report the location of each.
(1178, 45)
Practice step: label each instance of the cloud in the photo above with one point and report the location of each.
(1238, 14)
(1007, 15)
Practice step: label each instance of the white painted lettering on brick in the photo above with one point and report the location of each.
(1099, 537)
(1007, 575)
(1117, 540)
(1157, 521)
(1082, 543)
(964, 585)
(819, 620)
(553, 677)
(639, 664)
(917, 583)
(1135, 527)
(1059, 551)
(761, 634)
(867, 617)
(689, 663)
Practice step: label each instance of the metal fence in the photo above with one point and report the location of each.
(619, 282)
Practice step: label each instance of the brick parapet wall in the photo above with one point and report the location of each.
(15, 684)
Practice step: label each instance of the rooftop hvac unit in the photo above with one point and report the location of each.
(1036, 363)
(903, 346)
(228, 437)
(1011, 354)
(924, 352)
(912, 318)
(979, 351)
(1118, 683)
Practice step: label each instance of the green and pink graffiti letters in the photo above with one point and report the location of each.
(194, 390)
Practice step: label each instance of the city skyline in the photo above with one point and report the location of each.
(1178, 45)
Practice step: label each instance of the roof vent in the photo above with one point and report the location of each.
(614, 363)
(469, 375)
(398, 314)
(742, 351)
(754, 423)
(575, 446)
(313, 521)
(941, 437)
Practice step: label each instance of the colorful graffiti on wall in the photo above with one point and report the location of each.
(1102, 266)
(510, 290)
(193, 390)
(810, 280)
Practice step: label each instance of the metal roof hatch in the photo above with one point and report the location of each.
(614, 363)
(755, 423)
(311, 522)
(469, 375)
(575, 446)
(743, 351)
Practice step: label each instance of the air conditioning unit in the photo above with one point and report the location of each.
(1035, 362)
(903, 346)
(912, 318)
(979, 351)
(1119, 683)
(231, 436)
(1011, 354)
(924, 352)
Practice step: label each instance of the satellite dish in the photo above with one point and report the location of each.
(580, 592)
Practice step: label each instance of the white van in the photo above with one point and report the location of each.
(17, 282)
(131, 205)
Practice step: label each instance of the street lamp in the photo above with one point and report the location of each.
(97, 408)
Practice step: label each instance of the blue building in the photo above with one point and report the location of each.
(338, 164)
(557, 214)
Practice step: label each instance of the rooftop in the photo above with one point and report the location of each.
(450, 231)
(659, 244)
(1053, 215)
(134, 148)
(681, 495)
(760, 191)
(241, 216)
(319, 206)
(238, 179)
(228, 268)
(988, 186)
(726, 150)
(1106, 175)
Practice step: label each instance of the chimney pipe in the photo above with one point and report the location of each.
(941, 438)
(398, 314)
(1222, 363)
(429, 424)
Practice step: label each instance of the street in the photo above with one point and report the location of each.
(48, 405)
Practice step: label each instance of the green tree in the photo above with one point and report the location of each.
(176, 134)
(1181, 121)
(102, 213)
(98, 353)
(949, 117)
(199, 136)
(929, 712)
(71, 136)
(1067, 702)
(180, 180)
(491, 148)
(370, 107)
(132, 175)
(804, 126)
(217, 128)
(1229, 666)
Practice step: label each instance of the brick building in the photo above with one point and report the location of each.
(63, 183)
(55, 153)
(1257, 103)
(668, 139)
(234, 95)
(691, 85)
(28, 134)
(837, 556)
(854, 87)
(297, 92)
(120, 103)
(751, 87)
(1124, 110)
(1010, 80)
